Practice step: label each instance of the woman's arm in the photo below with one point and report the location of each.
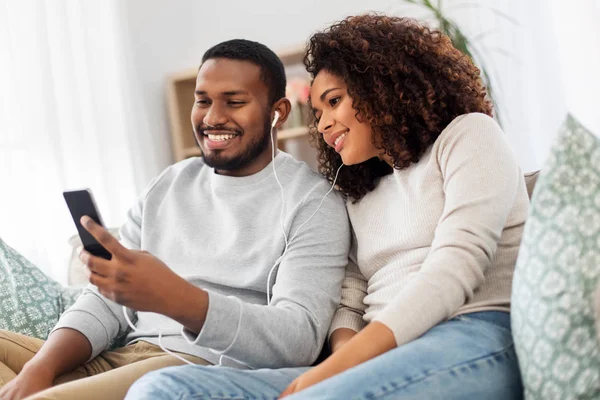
(339, 337)
(372, 341)
(482, 184)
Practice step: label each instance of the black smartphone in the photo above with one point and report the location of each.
(80, 203)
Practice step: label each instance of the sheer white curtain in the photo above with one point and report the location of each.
(65, 122)
(518, 42)
(527, 74)
(577, 25)
(553, 71)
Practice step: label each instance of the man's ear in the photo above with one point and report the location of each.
(283, 107)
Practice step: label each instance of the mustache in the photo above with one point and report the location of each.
(206, 129)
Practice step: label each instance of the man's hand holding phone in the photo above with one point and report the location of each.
(138, 280)
(135, 279)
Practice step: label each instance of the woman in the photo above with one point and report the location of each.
(437, 203)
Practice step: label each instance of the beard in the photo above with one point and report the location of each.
(250, 153)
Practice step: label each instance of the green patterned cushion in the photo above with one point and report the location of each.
(30, 302)
(557, 274)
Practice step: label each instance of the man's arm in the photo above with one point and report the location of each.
(291, 330)
(305, 295)
(64, 351)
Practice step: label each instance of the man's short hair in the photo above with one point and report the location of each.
(272, 72)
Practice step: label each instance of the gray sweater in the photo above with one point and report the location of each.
(224, 234)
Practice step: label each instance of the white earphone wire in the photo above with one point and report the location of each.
(287, 242)
(153, 333)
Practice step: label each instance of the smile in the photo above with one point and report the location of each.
(339, 138)
(220, 138)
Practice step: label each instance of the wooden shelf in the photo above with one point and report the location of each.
(180, 99)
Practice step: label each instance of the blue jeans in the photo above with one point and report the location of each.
(469, 357)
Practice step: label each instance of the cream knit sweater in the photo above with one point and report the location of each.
(439, 238)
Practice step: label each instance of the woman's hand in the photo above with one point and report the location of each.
(372, 341)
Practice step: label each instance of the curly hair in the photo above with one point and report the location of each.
(407, 81)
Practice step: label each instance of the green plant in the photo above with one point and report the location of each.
(463, 43)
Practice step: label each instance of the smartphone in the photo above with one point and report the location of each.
(80, 203)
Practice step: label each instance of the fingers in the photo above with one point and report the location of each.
(99, 281)
(104, 237)
(105, 287)
(96, 265)
(102, 283)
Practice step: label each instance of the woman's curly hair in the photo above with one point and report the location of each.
(407, 81)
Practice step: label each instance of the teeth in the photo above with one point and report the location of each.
(343, 135)
(220, 138)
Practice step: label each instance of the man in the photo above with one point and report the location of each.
(196, 252)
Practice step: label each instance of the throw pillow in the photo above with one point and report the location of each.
(30, 302)
(557, 272)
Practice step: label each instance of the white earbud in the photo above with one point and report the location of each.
(275, 119)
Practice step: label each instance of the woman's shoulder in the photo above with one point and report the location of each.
(472, 122)
(471, 130)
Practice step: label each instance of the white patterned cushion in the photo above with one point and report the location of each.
(557, 273)
(30, 302)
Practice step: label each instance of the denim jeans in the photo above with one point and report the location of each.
(468, 357)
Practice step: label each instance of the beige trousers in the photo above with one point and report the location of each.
(106, 377)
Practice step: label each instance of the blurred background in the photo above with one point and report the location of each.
(89, 89)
